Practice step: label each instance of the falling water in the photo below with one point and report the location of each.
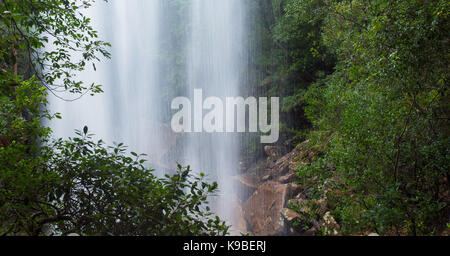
(130, 79)
(134, 108)
(215, 65)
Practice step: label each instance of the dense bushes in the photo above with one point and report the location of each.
(81, 186)
(383, 114)
(286, 57)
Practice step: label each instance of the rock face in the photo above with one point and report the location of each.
(290, 215)
(268, 188)
(265, 190)
(290, 177)
(272, 152)
(286, 164)
(247, 184)
(236, 217)
(262, 210)
(241, 223)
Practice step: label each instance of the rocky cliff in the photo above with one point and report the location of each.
(270, 191)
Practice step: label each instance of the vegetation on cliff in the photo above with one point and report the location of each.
(380, 117)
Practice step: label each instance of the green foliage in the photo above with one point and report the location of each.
(46, 37)
(81, 186)
(384, 112)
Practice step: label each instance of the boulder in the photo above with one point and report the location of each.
(266, 177)
(310, 232)
(263, 210)
(295, 189)
(260, 168)
(272, 152)
(267, 186)
(289, 215)
(285, 165)
(290, 218)
(280, 165)
(239, 223)
(290, 177)
(246, 184)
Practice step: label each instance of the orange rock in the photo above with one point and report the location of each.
(263, 210)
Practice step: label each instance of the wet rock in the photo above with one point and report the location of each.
(246, 184)
(268, 189)
(235, 218)
(259, 168)
(289, 215)
(295, 189)
(240, 224)
(285, 165)
(310, 232)
(266, 177)
(290, 177)
(272, 152)
(263, 210)
(243, 166)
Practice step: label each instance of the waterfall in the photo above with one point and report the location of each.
(138, 83)
(129, 79)
(215, 64)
